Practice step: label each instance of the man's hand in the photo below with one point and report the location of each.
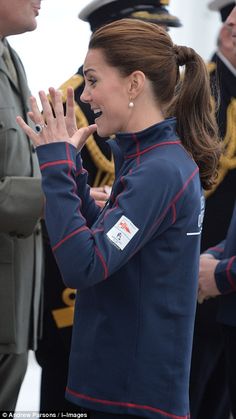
(207, 285)
(101, 194)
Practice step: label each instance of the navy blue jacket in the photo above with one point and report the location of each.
(135, 264)
(225, 274)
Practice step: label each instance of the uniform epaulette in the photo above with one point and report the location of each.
(211, 66)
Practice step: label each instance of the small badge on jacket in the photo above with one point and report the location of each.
(122, 232)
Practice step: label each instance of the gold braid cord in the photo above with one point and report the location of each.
(144, 15)
(211, 66)
(228, 158)
(105, 167)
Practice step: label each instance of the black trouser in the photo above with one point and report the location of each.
(209, 397)
(53, 387)
(229, 333)
(12, 371)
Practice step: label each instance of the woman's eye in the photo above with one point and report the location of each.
(92, 81)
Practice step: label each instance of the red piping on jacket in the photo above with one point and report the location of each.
(125, 404)
(229, 277)
(56, 163)
(139, 153)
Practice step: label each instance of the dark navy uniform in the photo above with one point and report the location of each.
(225, 276)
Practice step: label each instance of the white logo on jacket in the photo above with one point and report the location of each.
(122, 232)
(200, 219)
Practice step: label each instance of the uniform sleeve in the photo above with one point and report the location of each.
(21, 197)
(21, 205)
(89, 208)
(216, 251)
(225, 275)
(86, 255)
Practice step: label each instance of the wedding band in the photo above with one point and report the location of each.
(39, 128)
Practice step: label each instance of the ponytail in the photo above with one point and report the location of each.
(192, 106)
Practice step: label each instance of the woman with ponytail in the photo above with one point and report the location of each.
(134, 263)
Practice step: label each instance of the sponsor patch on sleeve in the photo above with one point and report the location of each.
(122, 232)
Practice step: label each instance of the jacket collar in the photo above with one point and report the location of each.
(17, 63)
(129, 145)
(161, 132)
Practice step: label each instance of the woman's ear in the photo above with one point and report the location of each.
(136, 83)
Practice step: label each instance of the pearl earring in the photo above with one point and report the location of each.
(131, 104)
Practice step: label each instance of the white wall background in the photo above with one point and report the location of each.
(53, 52)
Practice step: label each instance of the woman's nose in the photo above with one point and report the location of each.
(85, 97)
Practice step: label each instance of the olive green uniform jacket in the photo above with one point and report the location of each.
(21, 205)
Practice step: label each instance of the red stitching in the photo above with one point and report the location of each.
(217, 249)
(57, 162)
(97, 230)
(103, 262)
(173, 202)
(70, 168)
(125, 404)
(230, 279)
(177, 196)
(185, 185)
(79, 230)
(130, 156)
(68, 157)
(174, 213)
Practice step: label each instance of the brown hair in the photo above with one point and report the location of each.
(131, 45)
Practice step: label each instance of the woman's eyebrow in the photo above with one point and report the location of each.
(88, 70)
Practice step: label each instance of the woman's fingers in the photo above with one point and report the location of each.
(31, 116)
(55, 124)
(52, 95)
(28, 131)
(50, 128)
(56, 105)
(36, 115)
(80, 137)
(59, 110)
(69, 117)
(70, 111)
(47, 110)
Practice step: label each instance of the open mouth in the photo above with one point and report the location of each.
(97, 113)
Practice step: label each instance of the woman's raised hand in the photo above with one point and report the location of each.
(52, 125)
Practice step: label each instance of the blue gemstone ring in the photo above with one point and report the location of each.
(39, 128)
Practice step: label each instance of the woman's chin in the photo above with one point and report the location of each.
(103, 133)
